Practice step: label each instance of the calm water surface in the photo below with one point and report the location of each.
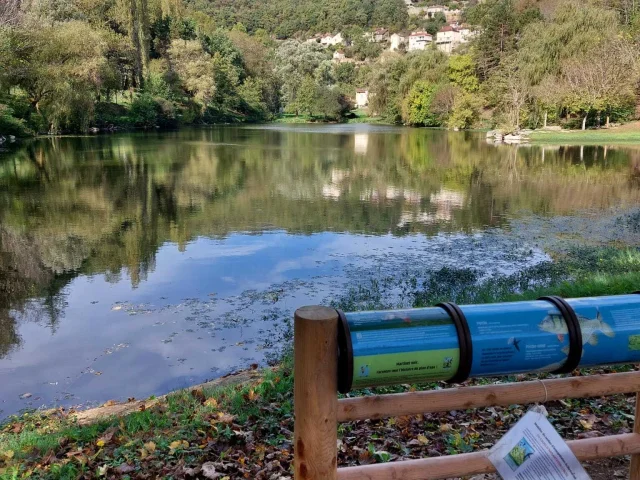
(134, 264)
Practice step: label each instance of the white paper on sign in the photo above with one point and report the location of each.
(533, 450)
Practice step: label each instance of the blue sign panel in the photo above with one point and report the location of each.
(610, 329)
(516, 338)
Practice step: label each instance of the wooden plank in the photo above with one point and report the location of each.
(315, 393)
(634, 468)
(477, 463)
(537, 391)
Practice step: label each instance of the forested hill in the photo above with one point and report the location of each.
(286, 18)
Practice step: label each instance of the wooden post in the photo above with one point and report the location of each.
(634, 469)
(316, 393)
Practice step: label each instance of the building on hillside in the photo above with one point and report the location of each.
(432, 11)
(448, 38)
(380, 35)
(453, 15)
(315, 39)
(339, 55)
(328, 39)
(466, 33)
(419, 40)
(397, 41)
(362, 97)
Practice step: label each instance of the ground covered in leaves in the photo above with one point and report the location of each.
(245, 431)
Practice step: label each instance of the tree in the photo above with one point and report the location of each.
(139, 32)
(501, 22)
(417, 109)
(465, 111)
(58, 67)
(306, 97)
(512, 90)
(462, 73)
(195, 69)
(575, 28)
(294, 62)
(601, 80)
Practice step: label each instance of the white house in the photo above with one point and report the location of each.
(396, 40)
(328, 39)
(339, 55)
(419, 40)
(362, 97)
(448, 38)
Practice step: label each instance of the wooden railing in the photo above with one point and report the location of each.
(318, 411)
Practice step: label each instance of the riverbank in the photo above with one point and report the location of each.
(245, 430)
(623, 135)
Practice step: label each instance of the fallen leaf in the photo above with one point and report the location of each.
(106, 437)
(150, 447)
(445, 427)
(211, 402)
(423, 440)
(17, 427)
(102, 470)
(226, 418)
(182, 444)
(8, 455)
(125, 468)
(209, 471)
(198, 394)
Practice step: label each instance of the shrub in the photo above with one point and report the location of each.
(9, 125)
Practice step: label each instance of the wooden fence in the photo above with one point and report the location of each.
(318, 411)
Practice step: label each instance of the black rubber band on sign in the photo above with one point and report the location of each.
(464, 341)
(575, 334)
(345, 354)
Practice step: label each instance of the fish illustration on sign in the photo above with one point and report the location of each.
(515, 342)
(554, 323)
(393, 316)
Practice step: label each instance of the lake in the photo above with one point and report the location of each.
(134, 264)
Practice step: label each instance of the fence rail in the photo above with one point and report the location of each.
(318, 411)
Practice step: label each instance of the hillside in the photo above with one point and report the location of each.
(286, 18)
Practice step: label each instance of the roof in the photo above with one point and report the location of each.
(420, 34)
(381, 30)
(448, 28)
(362, 90)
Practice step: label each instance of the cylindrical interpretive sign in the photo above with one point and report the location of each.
(402, 346)
(452, 343)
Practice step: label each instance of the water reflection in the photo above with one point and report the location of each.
(77, 209)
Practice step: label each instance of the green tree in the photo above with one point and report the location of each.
(294, 62)
(418, 105)
(462, 73)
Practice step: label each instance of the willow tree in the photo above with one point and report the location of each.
(601, 80)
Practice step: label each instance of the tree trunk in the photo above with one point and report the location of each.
(584, 123)
(546, 116)
(608, 121)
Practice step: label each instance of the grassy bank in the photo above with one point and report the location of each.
(588, 137)
(245, 431)
(358, 116)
